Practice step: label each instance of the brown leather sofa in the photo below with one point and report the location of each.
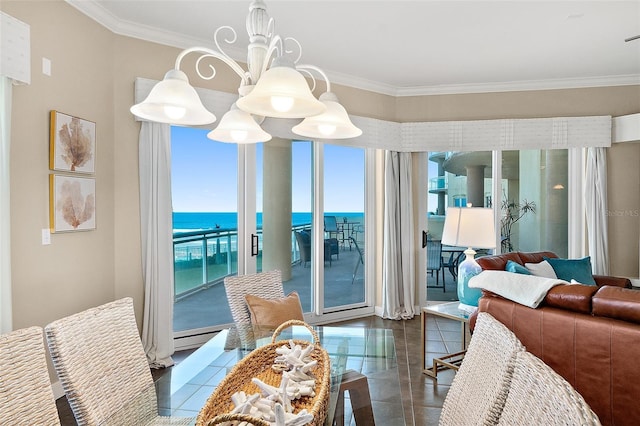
(590, 335)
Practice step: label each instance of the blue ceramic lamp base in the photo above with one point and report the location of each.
(468, 269)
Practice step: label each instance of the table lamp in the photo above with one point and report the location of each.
(471, 227)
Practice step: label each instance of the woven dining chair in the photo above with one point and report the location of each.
(481, 385)
(103, 368)
(540, 396)
(267, 285)
(26, 397)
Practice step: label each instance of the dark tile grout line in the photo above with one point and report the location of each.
(409, 378)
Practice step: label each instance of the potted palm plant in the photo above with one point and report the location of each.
(512, 212)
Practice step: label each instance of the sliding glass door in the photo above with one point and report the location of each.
(344, 226)
(241, 209)
(204, 177)
(531, 195)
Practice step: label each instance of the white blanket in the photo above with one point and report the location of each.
(528, 290)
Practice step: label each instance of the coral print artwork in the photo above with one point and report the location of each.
(72, 144)
(72, 204)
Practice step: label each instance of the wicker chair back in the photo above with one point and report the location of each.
(26, 397)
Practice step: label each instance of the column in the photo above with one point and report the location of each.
(442, 196)
(475, 185)
(276, 207)
(555, 183)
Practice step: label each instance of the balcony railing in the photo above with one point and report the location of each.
(438, 183)
(205, 257)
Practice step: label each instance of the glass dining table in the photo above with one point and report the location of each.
(353, 351)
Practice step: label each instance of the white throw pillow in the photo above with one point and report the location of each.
(542, 269)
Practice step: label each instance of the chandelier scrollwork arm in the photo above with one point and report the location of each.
(307, 70)
(210, 53)
(296, 43)
(273, 84)
(275, 46)
(231, 40)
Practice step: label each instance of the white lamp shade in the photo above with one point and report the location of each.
(237, 126)
(469, 227)
(174, 101)
(281, 92)
(334, 123)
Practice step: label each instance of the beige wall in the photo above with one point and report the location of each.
(77, 270)
(93, 75)
(612, 101)
(623, 185)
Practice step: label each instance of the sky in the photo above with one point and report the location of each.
(203, 175)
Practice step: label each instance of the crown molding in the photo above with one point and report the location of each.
(516, 86)
(155, 35)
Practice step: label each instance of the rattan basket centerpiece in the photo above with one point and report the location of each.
(258, 364)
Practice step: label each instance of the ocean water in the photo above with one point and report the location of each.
(189, 221)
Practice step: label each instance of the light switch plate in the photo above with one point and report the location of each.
(46, 237)
(46, 66)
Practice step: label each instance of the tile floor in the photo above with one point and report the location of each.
(423, 396)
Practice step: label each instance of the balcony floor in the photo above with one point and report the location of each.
(209, 306)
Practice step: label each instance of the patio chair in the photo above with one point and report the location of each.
(331, 226)
(103, 368)
(434, 262)
(360, 258)
(333, 242)
(304, 246)
(26, 397)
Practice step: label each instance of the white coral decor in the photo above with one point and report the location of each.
(274, 403)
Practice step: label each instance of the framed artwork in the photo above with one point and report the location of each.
(72, 203)
(72, 144)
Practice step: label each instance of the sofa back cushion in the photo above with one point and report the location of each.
(535, 257)
(498, 262)
(616, 302)
(574, 297)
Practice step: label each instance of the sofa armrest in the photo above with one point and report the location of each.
(602, 280)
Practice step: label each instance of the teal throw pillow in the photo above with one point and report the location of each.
(573, 269)
(516, 267)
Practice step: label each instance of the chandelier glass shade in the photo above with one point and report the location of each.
(281, 92)
(240, 127)
(334, 123)
(174, 101)
(273, 86)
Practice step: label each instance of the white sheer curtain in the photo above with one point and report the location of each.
(157, 242)
(595, 200)
(398, 279)
(5, 223)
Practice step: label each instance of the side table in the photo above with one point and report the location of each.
(452, 311)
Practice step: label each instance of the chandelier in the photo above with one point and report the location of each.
(272, 86)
